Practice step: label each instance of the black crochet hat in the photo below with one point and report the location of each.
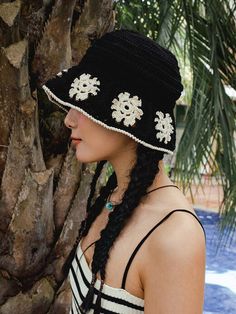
(126, 82)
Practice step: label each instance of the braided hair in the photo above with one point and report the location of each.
(92, 211)
(141, 177)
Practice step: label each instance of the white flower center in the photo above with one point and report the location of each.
(126, 108)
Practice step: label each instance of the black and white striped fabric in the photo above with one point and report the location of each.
(114, 300)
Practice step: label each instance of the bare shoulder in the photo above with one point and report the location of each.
(180, 222)
(181, 230)
(175, 266)
(180, 233)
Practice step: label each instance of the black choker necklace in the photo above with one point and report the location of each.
(110, 205)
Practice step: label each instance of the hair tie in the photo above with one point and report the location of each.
(88, 301)
(97, 307)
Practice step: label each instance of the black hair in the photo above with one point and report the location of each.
(141, 177)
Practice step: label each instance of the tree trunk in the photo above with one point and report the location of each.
(43, 188)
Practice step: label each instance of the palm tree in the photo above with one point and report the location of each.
(43, 188)
(39, 211)
(202, 32)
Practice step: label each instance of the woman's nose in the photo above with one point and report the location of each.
(69, 121)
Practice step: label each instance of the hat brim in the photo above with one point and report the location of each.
(53, 98)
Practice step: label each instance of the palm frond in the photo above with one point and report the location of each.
(211, 119)
(202, 32)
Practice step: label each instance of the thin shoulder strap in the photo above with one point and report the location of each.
(147, 235)
(88, 246)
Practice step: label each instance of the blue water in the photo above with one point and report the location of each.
(220, 280)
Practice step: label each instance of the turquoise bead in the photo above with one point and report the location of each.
(109, 205)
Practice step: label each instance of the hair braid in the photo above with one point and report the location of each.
(91, 211)
(98, 205)
(141, 177)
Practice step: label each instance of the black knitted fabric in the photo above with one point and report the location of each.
(126, 61)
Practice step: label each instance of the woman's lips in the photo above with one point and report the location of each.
(76, 140)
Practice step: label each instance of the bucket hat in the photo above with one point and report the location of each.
(127, 83)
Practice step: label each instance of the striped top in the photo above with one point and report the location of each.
(113, 300)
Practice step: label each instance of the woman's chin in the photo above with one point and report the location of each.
(86, 159)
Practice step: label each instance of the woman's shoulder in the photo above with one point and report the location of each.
(181, 224)
(179, 237)
(174, 257)
(178, 225)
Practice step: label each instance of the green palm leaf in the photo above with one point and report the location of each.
(202, 32)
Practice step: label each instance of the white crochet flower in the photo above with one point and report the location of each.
(127, 108)
(83, 86)
(164, 126)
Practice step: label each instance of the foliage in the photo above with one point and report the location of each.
(202, 33)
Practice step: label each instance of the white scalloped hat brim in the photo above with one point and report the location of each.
(53, 98)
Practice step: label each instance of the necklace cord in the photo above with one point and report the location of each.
(158, 188)
(161, 187)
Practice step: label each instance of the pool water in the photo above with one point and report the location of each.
(220, 279)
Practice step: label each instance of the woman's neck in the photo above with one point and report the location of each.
(122, 165)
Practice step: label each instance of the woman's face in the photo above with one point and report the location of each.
(97, 143)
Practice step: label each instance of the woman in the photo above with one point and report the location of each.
(141, 241)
